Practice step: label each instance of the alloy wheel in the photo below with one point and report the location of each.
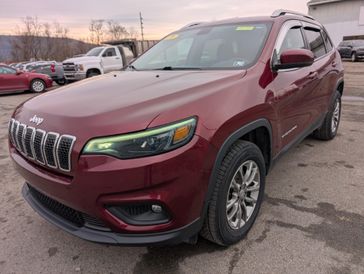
(335, 116)
(243, 194)
(38, 86)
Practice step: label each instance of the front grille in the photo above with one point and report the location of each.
(69, 67)
(50, 149)
(71, 215)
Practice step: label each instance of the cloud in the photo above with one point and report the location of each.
(160, 17)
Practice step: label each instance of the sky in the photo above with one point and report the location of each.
(160, 17)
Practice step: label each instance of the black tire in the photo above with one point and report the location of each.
(37, 86)
(92, 73)
(354, 58)
(216, 227)
(326, 131)
(61, 82)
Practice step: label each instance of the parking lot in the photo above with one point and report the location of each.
(312, 219)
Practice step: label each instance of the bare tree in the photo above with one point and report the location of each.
(96, 28)
(133, 33)
(29, 42)
(116, 31)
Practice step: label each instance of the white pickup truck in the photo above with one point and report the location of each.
(114, 56)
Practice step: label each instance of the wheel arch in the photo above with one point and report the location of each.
(92, 70)
(246, 133)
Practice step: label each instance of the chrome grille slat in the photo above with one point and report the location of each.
(63, 151)
(28, 142)
(50, 144)
(20, 137)
(49, 149)
(14, 133)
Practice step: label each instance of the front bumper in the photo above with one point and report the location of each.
(108, 237)
(177, 180)
(75, 76)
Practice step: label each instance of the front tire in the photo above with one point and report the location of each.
(37, 86)
(237, 196)
(330, 126)
(92, 73)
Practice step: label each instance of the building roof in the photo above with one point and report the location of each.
(321, 2)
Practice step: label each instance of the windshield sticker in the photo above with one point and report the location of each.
(245, 28)
(238, 63)
(171, 37)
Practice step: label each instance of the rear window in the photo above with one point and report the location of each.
(327, 41)
(315, 42)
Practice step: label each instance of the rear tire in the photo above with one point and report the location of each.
(330, 126)
(37, 86)
(233, 193)
(61, 82)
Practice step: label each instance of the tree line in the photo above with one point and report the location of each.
(35, 40)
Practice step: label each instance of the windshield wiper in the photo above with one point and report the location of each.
(178, 68)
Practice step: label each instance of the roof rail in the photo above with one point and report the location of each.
(192, 25)
(282, 12)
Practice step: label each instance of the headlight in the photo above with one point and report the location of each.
(79, 67)
(145, 143)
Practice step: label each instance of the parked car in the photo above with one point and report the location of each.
(353, 49)
(52, 69)
(181, 141)
(104, 59)
(12, 80)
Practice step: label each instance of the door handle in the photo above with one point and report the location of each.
(312, 75)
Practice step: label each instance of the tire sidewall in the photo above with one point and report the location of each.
(337, 97)
(229, 235)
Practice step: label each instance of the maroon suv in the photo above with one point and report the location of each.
(180, 142)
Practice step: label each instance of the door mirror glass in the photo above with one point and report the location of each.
(294, 58)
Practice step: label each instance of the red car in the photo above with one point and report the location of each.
(181, 141)
(12, 80)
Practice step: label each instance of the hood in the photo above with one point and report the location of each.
(82, 59)
(121, 102)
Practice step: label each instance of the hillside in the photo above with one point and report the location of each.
(77, 46)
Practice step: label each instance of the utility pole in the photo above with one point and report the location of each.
(141, 29)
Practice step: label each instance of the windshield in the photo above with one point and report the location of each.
(232, 46)
(95, 51)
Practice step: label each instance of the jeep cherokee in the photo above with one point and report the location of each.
(180, 142)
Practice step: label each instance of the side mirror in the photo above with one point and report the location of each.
(294, 58)
(18, 72)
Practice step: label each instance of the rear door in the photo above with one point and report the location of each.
(293, 88)
(325, 67)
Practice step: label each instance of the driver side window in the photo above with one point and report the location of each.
(293, 40)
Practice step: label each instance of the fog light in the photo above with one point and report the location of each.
(156, 208)
(140, 214)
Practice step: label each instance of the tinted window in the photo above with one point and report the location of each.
(230, 46)
(293, 40)
(6, 70)
(110, 52)
(327, 41)
(315, 42)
